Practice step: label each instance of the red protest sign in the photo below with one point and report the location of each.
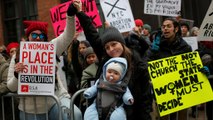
(58, 15)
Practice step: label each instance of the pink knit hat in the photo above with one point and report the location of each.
(138, 22)
(35, 25)
(12, 45)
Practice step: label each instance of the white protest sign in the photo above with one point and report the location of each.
(162, 7)
(192, 41)
(206, 30)
(119, 14)
(38, 77)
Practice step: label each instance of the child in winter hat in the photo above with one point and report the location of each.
(114, 71)
(89, 57)
(109, 93)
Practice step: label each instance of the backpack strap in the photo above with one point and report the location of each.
(118, 89)
(115, 104)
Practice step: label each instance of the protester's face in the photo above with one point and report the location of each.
(36, 36)
(91, 58)
(145, 32)
(82, 48)
(168, 30)
(139, 28)
(184, 30)
(114, 48)
(195, 33)
(12, 51)
(112, 76)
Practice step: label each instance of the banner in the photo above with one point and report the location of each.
(38, 77)
(162, 7)
(119, 14)
(58, 15)
(178, 84)
(206, 29)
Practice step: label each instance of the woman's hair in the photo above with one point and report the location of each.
(128, 55)
(17, 55)
(85, 42)
(69, 54)
(193, 30)
(176, 24)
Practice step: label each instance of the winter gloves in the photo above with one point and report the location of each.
(205, 70)
(71, 11)
(156, 41)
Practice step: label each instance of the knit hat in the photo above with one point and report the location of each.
(148, 27)
(112, 34)
(138, 22)
(12, 45)
(35, 25)
(116, 66)
(88, 51)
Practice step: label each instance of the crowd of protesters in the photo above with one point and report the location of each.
(89, 60)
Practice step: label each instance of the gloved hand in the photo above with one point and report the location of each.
(205, 70)
(156, 41)
(71, 11)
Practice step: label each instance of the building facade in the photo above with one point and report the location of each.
(13, 12)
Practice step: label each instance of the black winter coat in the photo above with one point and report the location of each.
(137, 43)
(179, 46)
(139, 83)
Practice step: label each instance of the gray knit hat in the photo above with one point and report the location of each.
(88, 51)
(117, 67)
(112, 34)
(148, 27)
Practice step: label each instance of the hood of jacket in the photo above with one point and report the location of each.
(118, 60)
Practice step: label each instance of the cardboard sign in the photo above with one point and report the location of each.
(206, 30)
(58, 15)
(119, 14)
(178, 84)
(192, 41)
(162, 7)
(38, 77)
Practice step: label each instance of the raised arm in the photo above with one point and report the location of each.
(64, 40)
(90, 31)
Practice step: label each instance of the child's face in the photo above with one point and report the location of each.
(91, 59)
(82, 48)
(112, 76)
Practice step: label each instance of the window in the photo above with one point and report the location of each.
(14, 12)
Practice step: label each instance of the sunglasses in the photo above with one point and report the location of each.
(35, 35)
